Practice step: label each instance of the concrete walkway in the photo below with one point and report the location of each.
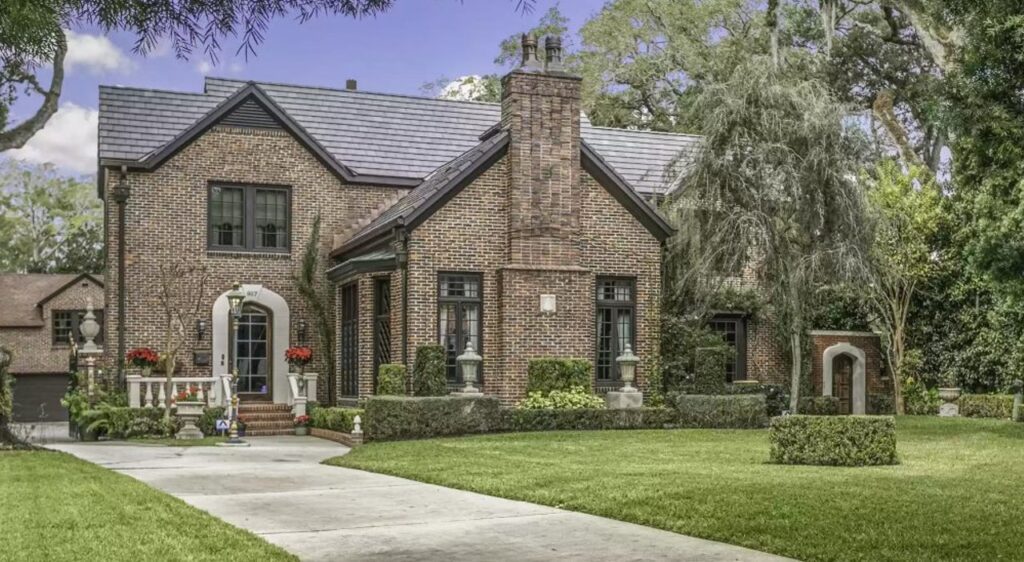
(278, 490)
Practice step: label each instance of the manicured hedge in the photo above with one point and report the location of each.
(391, 380)
(741, 411)
(122, 423)
(390, 418)
(987, 406)
(881, 404)
(545, 375)
(833, 440)
(428, 372)
(776, 397)
(334, 419)
(208, 421)
(819, 406)
(588, 419)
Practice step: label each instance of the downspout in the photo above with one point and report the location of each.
(402, 261)
(121, 193)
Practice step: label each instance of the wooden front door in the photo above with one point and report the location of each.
(842, 382)
(253, 352)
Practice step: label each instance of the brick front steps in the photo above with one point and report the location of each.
(265, 419)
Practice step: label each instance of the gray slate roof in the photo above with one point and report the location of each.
(371, 133)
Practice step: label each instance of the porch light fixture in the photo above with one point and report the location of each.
(469, 362)
(235, 298)
(627, 368)
(200, 329)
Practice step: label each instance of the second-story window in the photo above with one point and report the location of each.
(249, 218)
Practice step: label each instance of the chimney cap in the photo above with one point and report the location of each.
(530, 59)
(553, 48)
(351, 84)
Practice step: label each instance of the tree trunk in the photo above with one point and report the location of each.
(772, 16)
(794, 390)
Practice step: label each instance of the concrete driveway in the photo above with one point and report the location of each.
(277, 489)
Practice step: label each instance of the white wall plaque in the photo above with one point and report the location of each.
(548, 303)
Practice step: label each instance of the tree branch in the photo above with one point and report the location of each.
(19, 135)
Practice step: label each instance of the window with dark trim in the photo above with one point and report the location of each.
(249, 218)
(67, 322)
(460, 318)
(381, 325)
(733, 328)
(616, 324)
(348, 341)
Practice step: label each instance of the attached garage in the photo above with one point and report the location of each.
(37, 397)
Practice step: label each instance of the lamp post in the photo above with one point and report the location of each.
(235, 298)
(469, 362)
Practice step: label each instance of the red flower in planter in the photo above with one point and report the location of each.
(301, 421)
(298, 355)
(142, 357)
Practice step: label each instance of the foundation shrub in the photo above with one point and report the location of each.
(833, 440)
(428, 371)
(208, 421)
(391, 380)
(740, 411)
(819, 406)
(575, 398)
(998, 406)
(118, 422)
(335, 419)
(389, 418)
(881, 405)
(588, 419)
(549, 374)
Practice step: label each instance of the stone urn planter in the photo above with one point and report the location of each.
(301, 430)
(189, 412)
(949, 407)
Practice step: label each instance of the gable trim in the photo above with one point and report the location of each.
(68, 285)
(620, 189)
(253, 92)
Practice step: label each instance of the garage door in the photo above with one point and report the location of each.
(37, 397)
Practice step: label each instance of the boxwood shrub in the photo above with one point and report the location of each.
(391, 380)
(833, 440)
(545, 375)
(739, 411)
(334, 419)
(428, 371)
(987, 406)
(881, 404)
(819, 406)
(208, 421)
(588, 419)
(403, 417)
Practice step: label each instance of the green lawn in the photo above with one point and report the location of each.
(55, 507)
(956, 496)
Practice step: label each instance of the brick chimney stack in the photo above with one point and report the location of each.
(540, 108)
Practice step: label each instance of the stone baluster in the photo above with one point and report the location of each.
(162, 397)
(149, 395)
(202, 392)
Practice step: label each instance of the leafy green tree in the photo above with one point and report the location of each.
(775, 188)
(49, 223)
(907, 209)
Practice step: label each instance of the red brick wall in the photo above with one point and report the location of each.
(33, 348)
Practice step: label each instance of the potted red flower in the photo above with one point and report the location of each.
(298, 356)
(143, 358)
(302, 425)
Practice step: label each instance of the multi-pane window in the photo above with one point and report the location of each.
(459, 314)
(68, 322)
(251, 351)
(348, 341)
(616, 321)
(734, 332)
(249, 218)
(381, 324)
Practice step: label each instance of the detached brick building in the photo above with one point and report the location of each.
(40, 315)
(516, 226)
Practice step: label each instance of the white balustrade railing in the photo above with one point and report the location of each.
(300, 388)
(151, 392)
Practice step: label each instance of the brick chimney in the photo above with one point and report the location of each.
(540, 108)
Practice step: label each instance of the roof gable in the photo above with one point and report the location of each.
(25, 294)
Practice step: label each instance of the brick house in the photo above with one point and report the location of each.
(41, 312)
(517, 226)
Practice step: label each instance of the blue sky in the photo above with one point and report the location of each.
(418, 41)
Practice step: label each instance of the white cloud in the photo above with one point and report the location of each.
(204, 67)
(68, 140)
(95, 53)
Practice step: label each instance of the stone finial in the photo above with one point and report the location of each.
(553, 52)
(357, 426)
(530, 60)
(89, 328)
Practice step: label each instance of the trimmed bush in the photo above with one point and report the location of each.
(546, 375)
(588, 419)
(998, 406)
(709, 370)
(741, 411)
(208, 421)
(124, 423)
(391, 380)
(881, 405)
(833, 440)
(428, 372)
(335, 419)
(575, 398)
(819, 406)
(389, 418)
(776, 397)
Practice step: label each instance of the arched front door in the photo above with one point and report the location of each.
(842, 381)
(253, 353)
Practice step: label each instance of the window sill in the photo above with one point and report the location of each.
(249, 254)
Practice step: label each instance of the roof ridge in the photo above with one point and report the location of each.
(160, 90)
(355, 92)
(666, 133)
